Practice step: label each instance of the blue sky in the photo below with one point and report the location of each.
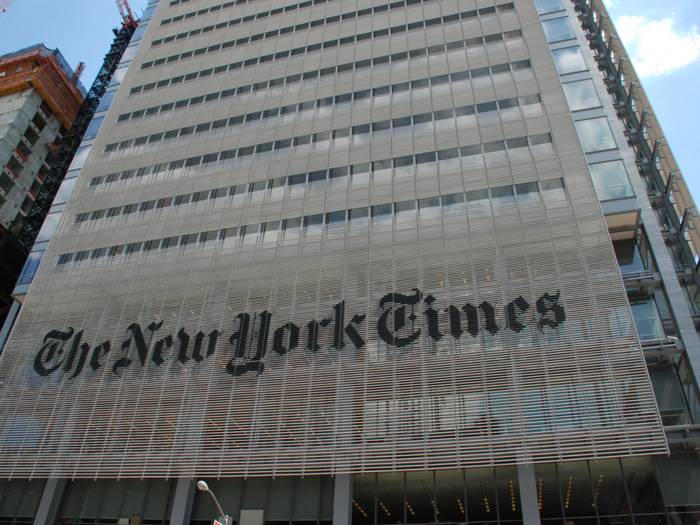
(81, 29)
(662, 38)
(663, 41)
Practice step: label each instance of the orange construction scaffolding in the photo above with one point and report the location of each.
(39, 68)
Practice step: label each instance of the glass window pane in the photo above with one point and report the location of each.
(669, 395)
(508, 494)
(679, 475)
(643, 488)
(569, 60)
(138, 34)
(80, 158)
(363, 499)
(576, 490)
(548, 6)
(481, 494)
(595, 135)
(128, 54)
(628, 257)
(419, 497)
(647, 319)
(558, 30)
(119, 75)
(305, 502)
(48, 227)
(581, 95)
(390, 499)
(64, 191)
(549, 498)
(609, 487)
(30, 267)
(611, 181)
(449, 487)
(106, 101)
(148, 14)
(93, 128)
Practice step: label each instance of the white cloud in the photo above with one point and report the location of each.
(654, 47)
(609, 3)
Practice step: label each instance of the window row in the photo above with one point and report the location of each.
(471, 109)
(332, 70)
(330, 20)
(315, 47)
(265, 14)
(219, 7)
(320, 219)
(464, 151)
(302, 106)
(294, 180)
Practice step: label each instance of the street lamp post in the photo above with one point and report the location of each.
(202, 485)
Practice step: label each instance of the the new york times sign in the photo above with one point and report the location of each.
(402, 320)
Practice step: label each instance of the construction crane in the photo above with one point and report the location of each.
(4, 4)
(125, 11)
(78, 72)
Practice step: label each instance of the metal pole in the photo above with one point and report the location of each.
(202, 485)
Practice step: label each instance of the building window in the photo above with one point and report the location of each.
(595, 135)
(30, 267)
(569, 60)
(80, 158)
(48, 227)
(558, 30)
(610, 180)
(581, 95)
(548, 6)
(65, 190)
(647, 319)
(629, 257)
(93, 128)
(106, 101)
(669, 395)
(119, 75)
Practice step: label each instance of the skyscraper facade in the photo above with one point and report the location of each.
(363, 262)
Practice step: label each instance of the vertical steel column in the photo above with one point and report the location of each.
(50, 501)
(342, 500)
(184, 498)
(528, 494)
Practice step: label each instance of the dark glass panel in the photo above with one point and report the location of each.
(390, 498)
(481, 495)
(450, 493)
(420, 497)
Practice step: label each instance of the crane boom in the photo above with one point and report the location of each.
(4, 4)
(125, 11)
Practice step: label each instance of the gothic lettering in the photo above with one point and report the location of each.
(489, 313)
(433, 321)
(513, 311)
(472, 319)
(243, 363)
(278, 338)
(389, 335)
(53, 347)
(398, 325)
(99, 351)
(552, 313)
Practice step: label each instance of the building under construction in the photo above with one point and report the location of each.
(40, 96)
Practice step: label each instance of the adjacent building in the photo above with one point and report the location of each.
(39, 97)
(423, 261)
